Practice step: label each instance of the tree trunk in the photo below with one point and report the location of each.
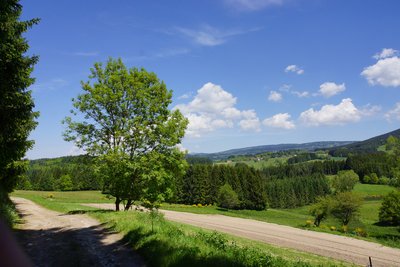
(128, 204)
(117, 201)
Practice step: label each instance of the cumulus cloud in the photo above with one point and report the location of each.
(394, 114)
(280, 120)
(385, 72)
(344, 112)
(274, 96)
(385, 53)
(214, 108)
(329, 89)
(252, 5)
(295, 69)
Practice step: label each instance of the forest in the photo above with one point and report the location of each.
(300, 181)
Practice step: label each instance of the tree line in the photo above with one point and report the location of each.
(255, 190)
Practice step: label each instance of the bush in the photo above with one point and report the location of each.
(227, 198)
(345, 181)
(389, 212)
(346, 207)
(321, 209)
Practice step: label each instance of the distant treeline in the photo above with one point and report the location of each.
(65, 174)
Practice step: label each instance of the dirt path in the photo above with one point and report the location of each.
(55, 239)
(339, 247)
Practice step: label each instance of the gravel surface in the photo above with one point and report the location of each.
(54, 239)
(338, 247)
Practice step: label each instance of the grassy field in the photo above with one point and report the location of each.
(176, 244)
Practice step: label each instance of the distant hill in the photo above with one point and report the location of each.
(271, 148)
(366, 146)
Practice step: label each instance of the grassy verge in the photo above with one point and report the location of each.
(174, 244)
(8, 214)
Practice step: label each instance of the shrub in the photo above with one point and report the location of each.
(321, 209)
(346, 207)
(389, 212)
(345, 181)
(227, 198)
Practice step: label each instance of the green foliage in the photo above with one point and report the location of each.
(17, 118)
(321, 209)
(296, 191)
(45, 174)
(8, 213)
(346, 207)
(200, 184)
(227, 198)
(129, 126)
(345, 181)
(65, 183)
(389, 212)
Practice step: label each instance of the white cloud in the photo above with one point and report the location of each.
(394, 113)
(185, 96)
(211, 36)
(274, 96)
(344, 112)
(385, 53)
(300, 94)
(250, 121)
(280, 120)
(252, 5)
(214, 108)
(385, 72)
(329, 89)
(295, 69)
(370, 110)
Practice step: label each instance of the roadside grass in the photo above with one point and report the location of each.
(175, 244)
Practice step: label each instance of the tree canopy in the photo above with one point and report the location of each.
(127, 123)
(17, 118)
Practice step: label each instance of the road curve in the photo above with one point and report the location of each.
(338, 247)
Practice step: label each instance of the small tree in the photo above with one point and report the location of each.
(346, 207)
(389, 212)
(128, 125)
(227, 198)
(345, 181)
(321, 209)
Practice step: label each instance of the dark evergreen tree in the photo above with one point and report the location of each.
(17, 118)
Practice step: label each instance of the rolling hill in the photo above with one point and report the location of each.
(271, 148)
(366, 146)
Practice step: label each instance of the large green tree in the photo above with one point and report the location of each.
(127, 123)
(17, 118)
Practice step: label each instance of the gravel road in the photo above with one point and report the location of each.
(339, 247)
(54, 239)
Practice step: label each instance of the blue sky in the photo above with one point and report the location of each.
(245, 72)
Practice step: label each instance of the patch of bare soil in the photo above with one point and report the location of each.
(54, 239)
(338, 247)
